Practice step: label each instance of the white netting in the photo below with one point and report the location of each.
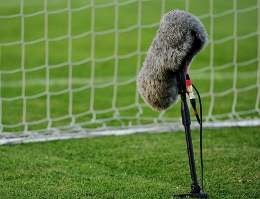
(67, 69)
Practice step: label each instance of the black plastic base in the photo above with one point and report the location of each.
(191, 195)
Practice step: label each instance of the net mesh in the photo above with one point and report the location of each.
(68, 69)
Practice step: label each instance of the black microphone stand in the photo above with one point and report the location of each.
(195, 187)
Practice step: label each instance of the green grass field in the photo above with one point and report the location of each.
(67, 73)
(54, 73)
(132, 166)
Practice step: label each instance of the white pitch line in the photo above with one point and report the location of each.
(224, 75)
(62, 81)
(7, 4)
(105, 80)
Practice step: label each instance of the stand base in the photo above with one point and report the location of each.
(191, 195)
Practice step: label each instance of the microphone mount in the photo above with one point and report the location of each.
(195, 187)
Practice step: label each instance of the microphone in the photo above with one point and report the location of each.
(180, 37)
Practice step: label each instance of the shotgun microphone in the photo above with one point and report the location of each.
(181, 36)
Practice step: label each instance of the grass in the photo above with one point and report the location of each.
(57, 72)
(132, 166)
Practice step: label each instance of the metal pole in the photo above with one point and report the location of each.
(195, 188)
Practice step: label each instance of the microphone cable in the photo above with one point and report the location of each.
(200, 123)
(189, 86)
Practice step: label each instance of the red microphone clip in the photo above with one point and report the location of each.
(191, 93)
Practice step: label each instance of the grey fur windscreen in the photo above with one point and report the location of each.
(180, 37)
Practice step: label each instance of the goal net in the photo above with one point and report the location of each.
(68, 68)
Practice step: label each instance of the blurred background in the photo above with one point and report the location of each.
(70, 66)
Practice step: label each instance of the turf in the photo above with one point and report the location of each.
(132, 166)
